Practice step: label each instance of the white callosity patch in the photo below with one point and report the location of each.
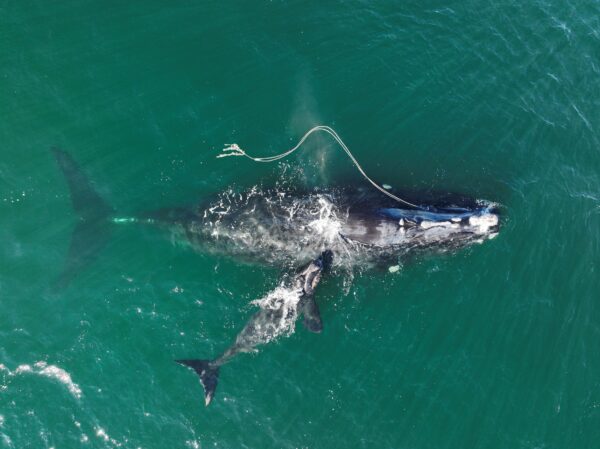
(51, 371)
(433, 224)
(483, 223)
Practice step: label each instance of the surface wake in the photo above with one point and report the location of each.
(41, 368)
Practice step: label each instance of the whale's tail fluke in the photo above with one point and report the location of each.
(209, 376)
(92, 231)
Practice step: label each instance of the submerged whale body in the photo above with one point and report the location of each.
(337, 228)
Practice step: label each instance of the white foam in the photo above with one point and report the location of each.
(23, 369)
(54, 372)
(328, 226)
(7, 441)
(286, 300)
(51, 371)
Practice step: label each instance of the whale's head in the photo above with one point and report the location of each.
(438, 226)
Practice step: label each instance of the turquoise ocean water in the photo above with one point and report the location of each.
(496, 346)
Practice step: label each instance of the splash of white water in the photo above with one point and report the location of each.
(286, 301)
(327, 225)
(51, 371)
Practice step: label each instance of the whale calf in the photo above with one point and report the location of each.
(281, 309)
(337, 228)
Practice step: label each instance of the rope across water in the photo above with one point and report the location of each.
(235, 150)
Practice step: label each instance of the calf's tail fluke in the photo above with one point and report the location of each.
(209, 376)
(92, 231)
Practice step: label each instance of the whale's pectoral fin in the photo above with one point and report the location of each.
(312, 317)
(309, 278)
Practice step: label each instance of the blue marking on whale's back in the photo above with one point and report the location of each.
(420, 215)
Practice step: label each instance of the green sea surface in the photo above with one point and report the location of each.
(495, 346)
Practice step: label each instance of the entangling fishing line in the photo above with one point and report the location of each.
(234, 150)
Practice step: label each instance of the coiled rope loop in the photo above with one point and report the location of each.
(234, 150)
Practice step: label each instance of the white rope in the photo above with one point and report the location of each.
(234, 150)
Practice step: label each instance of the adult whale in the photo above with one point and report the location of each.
(285, 227)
